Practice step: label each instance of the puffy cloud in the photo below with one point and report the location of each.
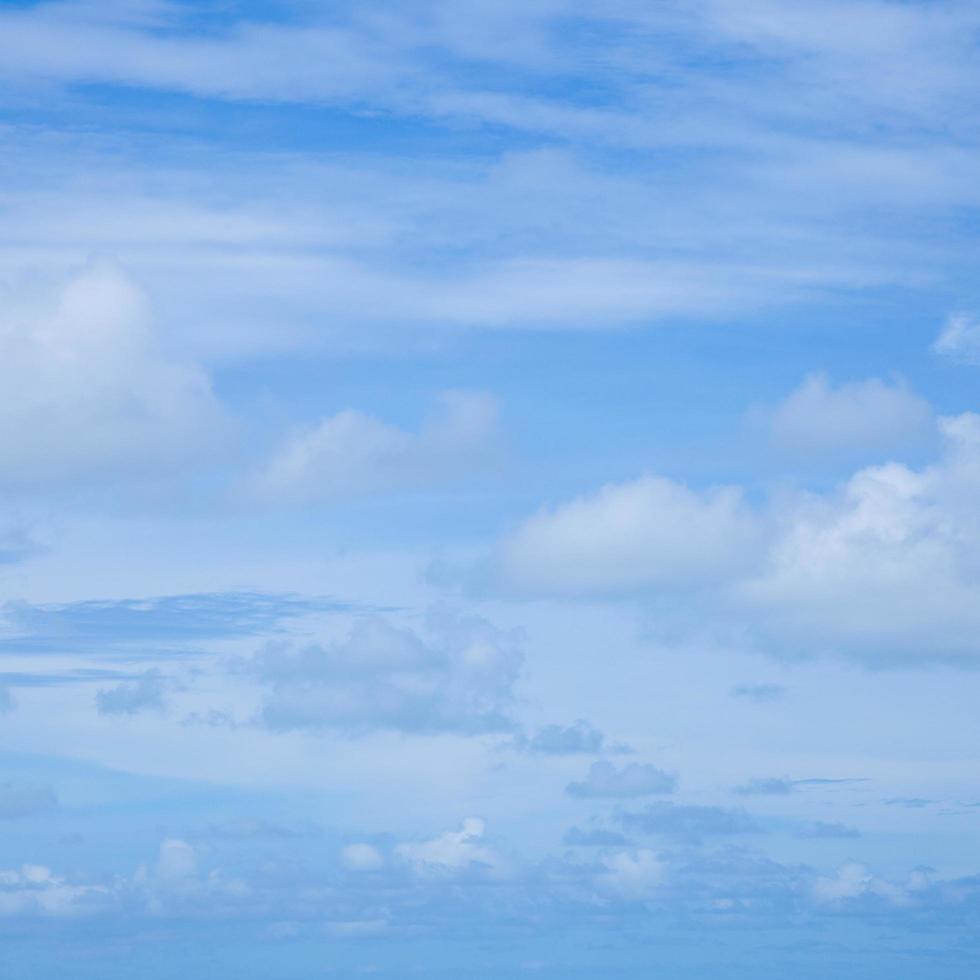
(960, 339)
(647, 533)
(883, 567)
(579, 737)
(35, 890)
(361, 857)
(131, 697)
(453, 852)
(86, 391)
(632, 875)
(459, 678)
(854, 881)
(859, 416)
(691, 822)
(25, 801)
(177, 860)
(352, 453)
(634, 779)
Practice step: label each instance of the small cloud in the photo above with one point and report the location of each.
(362, 857)
(690, 822)
(177, 860)
(772, 786)
(646, 533)
(959, 339)
(7, 703)
(578, 738)
(130, 698)
(760, 693)
(632, 875)
(452, 853)
(910, 802)
(854, 881)
(353, 454)
(854, 417)
(459, 678)
(635, 779)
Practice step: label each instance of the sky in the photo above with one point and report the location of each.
(489, 489)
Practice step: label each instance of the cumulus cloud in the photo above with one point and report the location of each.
(646, 533)
(578, 738)
(632, 874)
(634, 779)
(362, 857)
(886, 567)
(819, 418)
(132, 697)
(854, 881)
(25, 801)
(353, 454)
(454, 852)
(86, 391)
(458, 678)
(883, 567)
(34, 890)
(960, 339)
(176, 860)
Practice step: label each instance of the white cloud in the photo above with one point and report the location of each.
(822, 419)
(35, 890)
(352, 453)
(176, 861)
(960, 339)
(650, 532)
(453, 852)
(86, 390)
(634, 779)
(361, 857)
(633, 875)
(578, 737)
(853, 881)
(458, 678)
(884, 567)
(131, 697)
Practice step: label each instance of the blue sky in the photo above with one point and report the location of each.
(489, 489)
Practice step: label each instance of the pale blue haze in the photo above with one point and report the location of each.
(489, 489)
